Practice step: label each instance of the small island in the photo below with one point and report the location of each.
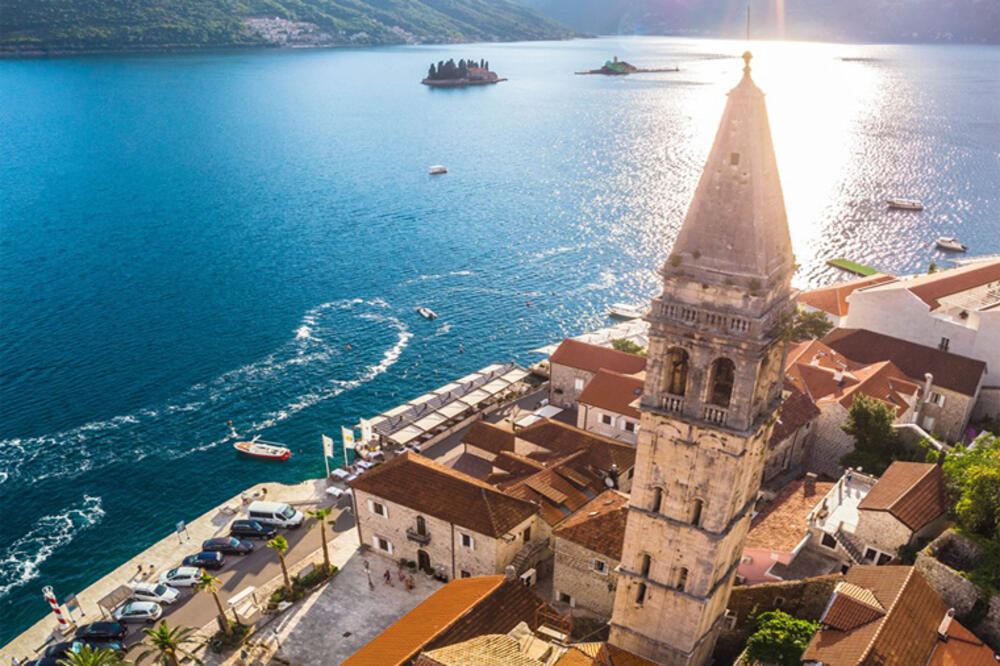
(618, 67)
(465, 73)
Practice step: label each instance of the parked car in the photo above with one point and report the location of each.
(181, 576)
(137, 611)
(157, 592)
(230, 545)
(205, 559)
(102, 631)
(251, 529)
(278, 514)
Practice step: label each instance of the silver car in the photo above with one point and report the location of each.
(138, 611)
(156, 592)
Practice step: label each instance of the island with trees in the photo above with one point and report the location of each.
(616, 67)
(449, 74)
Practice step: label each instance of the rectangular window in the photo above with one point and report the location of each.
(382, 544)
(870, 554)
(828, 541)
(606, 419)
(578, 384)
(466, 574)
(565, 598)
(467, 541)
(943, 345)
(378, 509)
(527, 534)
(629, 426)
(600, 566)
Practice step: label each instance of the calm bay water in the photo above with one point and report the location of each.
(195, 238)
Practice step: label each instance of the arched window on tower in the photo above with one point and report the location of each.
(723, 375)
(696, 507)
(640, 594)
(645, 563)
(657, 502)
(681, 578)
(676, 371)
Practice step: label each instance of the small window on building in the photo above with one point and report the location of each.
(466, 574)
(630, 426)
(467, 541)
(734, 158)
(883, 559)
(378, 508)
(600, 566)
(645, 563)
(631, 471)
(657, 500)
(943, 345)
(937, 398)
(565, 598)
(527, 534)
(870, 554)
(578, 384)
(606, 419)
(682, 578)
(828, 541)
(696, 507)
(382, 544)
(640, 594)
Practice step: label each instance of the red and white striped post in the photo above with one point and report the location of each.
(50, 597)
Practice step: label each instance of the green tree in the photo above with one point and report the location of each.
(809, 325)
(876, 442)
(210, 584)
(168, 646)
(973, 476)
(321, 515)
(626, 345)
(780, 639)
(279, 544)
(91, 656)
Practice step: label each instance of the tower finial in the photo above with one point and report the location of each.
(746, 59)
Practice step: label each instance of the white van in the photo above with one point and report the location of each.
(278, 514)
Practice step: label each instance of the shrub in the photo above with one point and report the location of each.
(780, 639)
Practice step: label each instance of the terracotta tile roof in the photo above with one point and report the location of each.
(428, 487)
(963, 648)
(612, 391)
(486, 650)
(516, 464)
(585, 356)
(851, 607)
(564, 439)
(555, 497)
(905, 635)
(930, 288)
(951, 371)
(461, 610)
(833, 298)
(575, 657)
(600, 654)
(912, 492)
(599, 525)
(796, 411)
(781, 525)
(489, 437)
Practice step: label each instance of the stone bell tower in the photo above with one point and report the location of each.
(713, 386)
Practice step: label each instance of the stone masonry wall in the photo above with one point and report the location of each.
(574, 575)
(562, 384)
(953, 588)
(830, 443)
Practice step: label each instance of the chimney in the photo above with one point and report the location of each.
(838, 376)
(810, 483)
(945, 624)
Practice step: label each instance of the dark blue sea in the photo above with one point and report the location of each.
(188, 239)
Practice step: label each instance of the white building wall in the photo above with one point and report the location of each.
(592, 419)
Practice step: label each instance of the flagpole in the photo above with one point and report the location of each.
(326, 460)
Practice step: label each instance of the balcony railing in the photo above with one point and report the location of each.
(714, 415)
(671, 403)
(423, 538)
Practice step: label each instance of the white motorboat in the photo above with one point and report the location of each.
(905, 204)
(437, 169)
(426, 313)
(259, 448)
(950, 243)
(625, 311)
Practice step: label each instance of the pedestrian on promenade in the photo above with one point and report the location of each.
(387, 577)
(139, 572)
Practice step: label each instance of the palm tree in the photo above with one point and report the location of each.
(167, 645)
(321, 515)
(90, 656)
(209, 583)
(281, 545)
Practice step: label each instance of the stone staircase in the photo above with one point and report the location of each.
(848, 544)
(529, 555)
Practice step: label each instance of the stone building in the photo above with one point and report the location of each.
(713, 387)
(588, 550)
(414, 509)
(951, 384)
(794, 431)
(574, 363)
(608, 406)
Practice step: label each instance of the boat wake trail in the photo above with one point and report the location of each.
(19, 562)
(336, 347)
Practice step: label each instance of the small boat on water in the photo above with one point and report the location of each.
(258, 448)
(905, 204)
(625, 311)
(437, 169)
(950, 243)
(426, 313)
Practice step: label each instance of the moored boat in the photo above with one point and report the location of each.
(258, 448)
(904, 204)
(426, 313)
(624, 311)
(950, 243)
(437, 169)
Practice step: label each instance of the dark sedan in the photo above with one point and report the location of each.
(228, 545)
(101, 632)
(251, 529)
(205, 560)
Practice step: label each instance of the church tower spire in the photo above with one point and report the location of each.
(713, 386)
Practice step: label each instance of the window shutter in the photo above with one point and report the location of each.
(390, 547)
(941, 399)
(375, 541)
(371, 506)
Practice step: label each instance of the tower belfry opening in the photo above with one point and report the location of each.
(713, 381)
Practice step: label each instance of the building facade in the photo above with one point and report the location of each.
(713, 387)
(574, 363)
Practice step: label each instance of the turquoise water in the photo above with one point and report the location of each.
(188, 239)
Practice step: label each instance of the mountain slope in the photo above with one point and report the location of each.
(39, 26)
(843, 20)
